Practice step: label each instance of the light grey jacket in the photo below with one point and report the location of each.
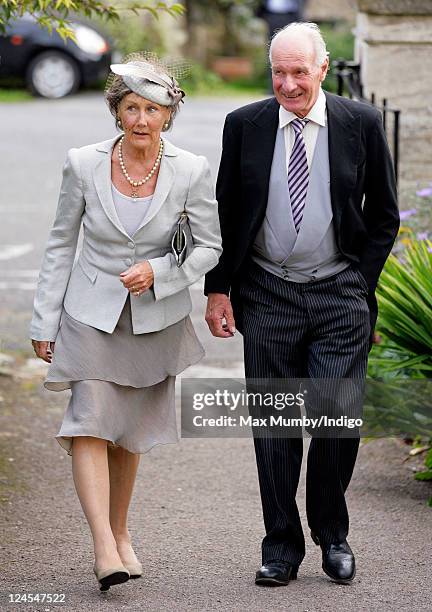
(92, 292)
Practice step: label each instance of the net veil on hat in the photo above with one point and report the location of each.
(149, 77)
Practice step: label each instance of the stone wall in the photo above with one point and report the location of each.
(395, 52)
(331, 10)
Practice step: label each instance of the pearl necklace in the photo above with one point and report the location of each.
(140, 182)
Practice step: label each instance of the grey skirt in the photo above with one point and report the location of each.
(122, 384)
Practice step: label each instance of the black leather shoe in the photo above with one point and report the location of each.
(338, 561)
(276, 573)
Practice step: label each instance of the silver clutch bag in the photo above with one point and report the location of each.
(182, 242)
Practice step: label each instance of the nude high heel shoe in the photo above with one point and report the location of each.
(110, 576)
(135, 569)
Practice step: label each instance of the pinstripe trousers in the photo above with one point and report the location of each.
(318, 329)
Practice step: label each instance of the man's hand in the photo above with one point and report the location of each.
(138, 278)
(44, 349)
(219, 309)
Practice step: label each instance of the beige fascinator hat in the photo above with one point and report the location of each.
(146, 75)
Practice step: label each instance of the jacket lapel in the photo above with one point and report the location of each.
(102, 181)
(164, 183)
(258, 148)
(344, 134)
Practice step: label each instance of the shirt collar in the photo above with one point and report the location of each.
(317, 113)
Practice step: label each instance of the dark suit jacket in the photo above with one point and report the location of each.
(362, 186)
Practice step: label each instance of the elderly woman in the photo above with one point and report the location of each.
(116, 328)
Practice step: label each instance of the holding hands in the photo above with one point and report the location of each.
(138, 278)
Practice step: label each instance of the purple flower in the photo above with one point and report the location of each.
(404, 214)
(426, 192)
(422, 235)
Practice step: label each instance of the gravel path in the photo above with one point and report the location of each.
(196, 524)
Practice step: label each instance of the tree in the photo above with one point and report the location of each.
(56, 14)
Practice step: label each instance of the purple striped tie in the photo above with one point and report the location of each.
(298, 173)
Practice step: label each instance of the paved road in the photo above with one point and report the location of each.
(195, 518)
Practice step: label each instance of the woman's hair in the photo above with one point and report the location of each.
(117, 90)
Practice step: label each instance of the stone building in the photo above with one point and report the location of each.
(394, 48)
(331, 10)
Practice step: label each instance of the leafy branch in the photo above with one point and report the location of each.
(55, 15)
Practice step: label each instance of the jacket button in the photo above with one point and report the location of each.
(131, 244)
(128, 261)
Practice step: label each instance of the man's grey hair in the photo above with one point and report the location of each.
(309, 29)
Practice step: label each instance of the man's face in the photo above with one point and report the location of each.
(296, 76)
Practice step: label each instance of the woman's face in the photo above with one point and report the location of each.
(142, 120)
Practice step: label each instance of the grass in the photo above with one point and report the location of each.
(15, 95)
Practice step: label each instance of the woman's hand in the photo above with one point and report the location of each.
(44, 349)
(138, 278)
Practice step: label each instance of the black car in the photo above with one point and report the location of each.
(51, 67)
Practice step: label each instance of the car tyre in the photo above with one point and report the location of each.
(53, 74)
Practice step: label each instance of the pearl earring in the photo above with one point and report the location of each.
(166, 125)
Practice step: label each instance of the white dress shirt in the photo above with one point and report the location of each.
(282, 6)
(317, 117)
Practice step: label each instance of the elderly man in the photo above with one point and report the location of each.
(308, 211)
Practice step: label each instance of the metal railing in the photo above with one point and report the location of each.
(349, 83)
